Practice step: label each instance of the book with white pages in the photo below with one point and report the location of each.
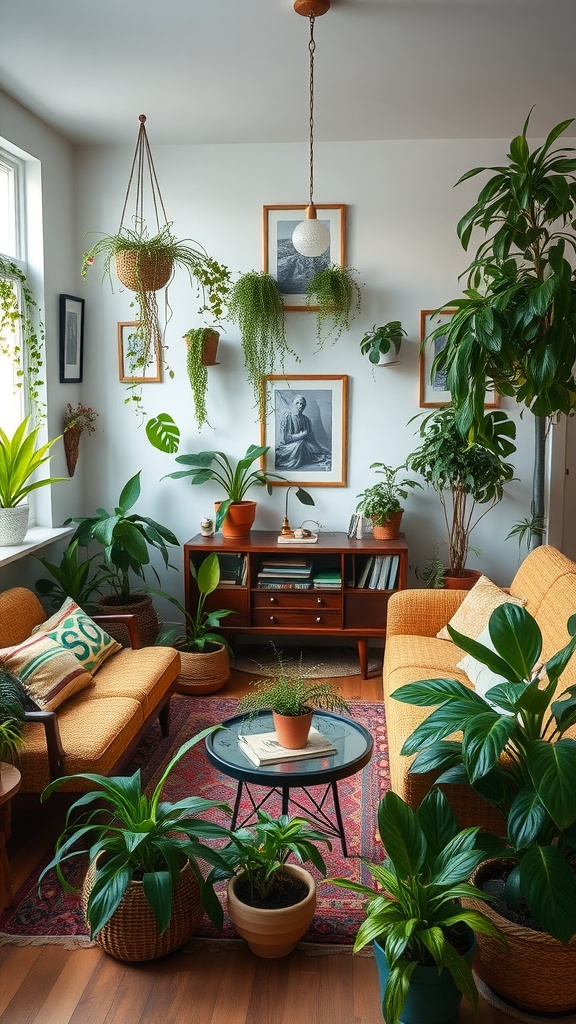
(263, 748)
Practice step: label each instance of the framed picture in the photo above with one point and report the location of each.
(131, 356)
(305, 427)
(291, 270)
(71, 339)
(433, 391)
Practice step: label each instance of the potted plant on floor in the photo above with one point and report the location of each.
(291, 697)
(144, 894)
(204, 653)
(516, 753)
(423, 937)
(256, 305)
(201, 348)
(20, 459)
(464, 476)
(72, 578)
(381, 502)
(126, 541)
(335, 294)
(12, 716)
(382, 344)
(271, 902)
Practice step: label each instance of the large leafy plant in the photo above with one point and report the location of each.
(136, 836)
(20, 458)
(516, 323)
(73, 578)
(415, 912)
(199, 625)
(515, 753)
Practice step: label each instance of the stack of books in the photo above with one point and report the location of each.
(327, 579)
(233, 569)
(263, 748)
(285, 574)
(358, 526)
(380, 572)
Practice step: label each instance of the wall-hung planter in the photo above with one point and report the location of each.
(382, 344)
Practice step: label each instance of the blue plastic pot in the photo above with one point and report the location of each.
(432, 998)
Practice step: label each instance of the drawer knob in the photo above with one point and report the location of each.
(272, 618)
(318, 618)
(272, 600)
(318, 600)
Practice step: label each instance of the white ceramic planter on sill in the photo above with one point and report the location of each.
(13, 525)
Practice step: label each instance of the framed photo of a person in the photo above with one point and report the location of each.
(305, 427)
(433, 390)
(71, 339)
(131, 368)
(291, 270)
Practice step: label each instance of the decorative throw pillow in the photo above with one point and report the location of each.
(476, 608)
(482, 677)
(49, 673)
(74, 630)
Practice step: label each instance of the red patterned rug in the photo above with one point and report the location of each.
(54, 917)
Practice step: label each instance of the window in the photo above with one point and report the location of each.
(13, 404)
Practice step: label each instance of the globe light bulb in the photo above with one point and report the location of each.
(311, 237)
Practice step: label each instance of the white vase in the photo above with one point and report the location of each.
(13, 525)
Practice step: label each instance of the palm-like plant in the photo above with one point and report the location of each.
(20, 459)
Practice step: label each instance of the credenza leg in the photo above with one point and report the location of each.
(363, 657)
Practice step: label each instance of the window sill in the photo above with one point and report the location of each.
(36, 538)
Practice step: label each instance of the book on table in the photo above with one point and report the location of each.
(263, 748)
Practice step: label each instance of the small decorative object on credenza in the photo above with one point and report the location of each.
(306, 499)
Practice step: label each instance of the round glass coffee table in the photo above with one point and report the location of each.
(354, 746)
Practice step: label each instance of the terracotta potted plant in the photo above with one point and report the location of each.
(270, 901)
(291, 698)
(381, 502)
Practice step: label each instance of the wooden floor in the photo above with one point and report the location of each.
(52, 985)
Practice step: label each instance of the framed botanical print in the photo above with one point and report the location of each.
(433, 390)
(135, 366)
(305, 428)
(291, 270)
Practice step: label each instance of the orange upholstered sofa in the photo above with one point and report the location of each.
(546, 581)
(98, 728)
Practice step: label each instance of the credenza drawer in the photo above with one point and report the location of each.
(299, 599)
(296, 619)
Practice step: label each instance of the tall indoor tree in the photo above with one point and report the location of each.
(515, 324)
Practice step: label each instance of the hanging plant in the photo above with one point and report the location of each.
(76, 420)
(335, 295)
(256, 305)
(21, 324)
(197, 362)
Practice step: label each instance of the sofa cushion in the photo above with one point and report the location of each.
(475, 611)
(143, 675)
(48, 672)
(74, 630)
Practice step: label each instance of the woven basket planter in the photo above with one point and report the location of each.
(146, 618)
(203, 672)
(535, 972)
(13, 525)
(139, 271)
(389, 529)
(71, 439)
(132, 933)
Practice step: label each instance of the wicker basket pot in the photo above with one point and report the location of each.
(273, 933)
(132, 933)
(535, 972)
(13, 525)
(389, 529)
(146, 617)
(141, 271)
(203, 672)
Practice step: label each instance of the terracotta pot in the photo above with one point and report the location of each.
(138, 271)
(535, 972)
(203, 672)
(131, 934)
(464, 582)
(292, 730)
(273, 933)
(210, 347)
(239, 519)
(146, 617)
(389, 529)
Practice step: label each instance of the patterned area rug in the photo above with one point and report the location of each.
(53, 917)
(317, 662)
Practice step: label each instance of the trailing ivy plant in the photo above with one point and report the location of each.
(337, 297)
(197, 372)
(20, 318)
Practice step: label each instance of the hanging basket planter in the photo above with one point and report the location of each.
(139, 270)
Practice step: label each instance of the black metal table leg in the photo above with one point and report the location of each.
(236, 805)
(339, 817)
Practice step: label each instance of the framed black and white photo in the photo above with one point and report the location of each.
(135, 364)
(305, 427)
(433, 390)
(291, 270)
(71, 339)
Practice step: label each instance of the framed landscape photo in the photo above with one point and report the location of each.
(433, 390)
(305, 427)
(291, 270)
(71, 339)
(131, 367)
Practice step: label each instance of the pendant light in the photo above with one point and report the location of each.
(311, 237)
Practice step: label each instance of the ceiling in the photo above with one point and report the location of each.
(227, 71)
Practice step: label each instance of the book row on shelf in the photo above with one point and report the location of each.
(359, 526)
(380, 572)
(233, 569)
(375, 572)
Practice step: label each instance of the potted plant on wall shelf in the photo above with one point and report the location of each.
(204, 653)
(381, 502)
(517, 753)
(382, 344)
(201, 348)
(141, 899)
(464, 476)
(335, 294)
(21, 323)
(20, 459)
(256, 305)
(76, 420)
(423, 937)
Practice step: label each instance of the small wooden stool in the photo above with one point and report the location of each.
(10, 780)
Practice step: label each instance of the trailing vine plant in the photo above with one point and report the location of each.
(336, 296)
(197, 372)
(20, 318)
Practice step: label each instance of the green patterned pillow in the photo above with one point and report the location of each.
(77, 633)
(49, 674)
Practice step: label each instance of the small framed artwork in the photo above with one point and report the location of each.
(305, 427)
(134, 365)
(433, 390)
(291, 270)
(71, 339)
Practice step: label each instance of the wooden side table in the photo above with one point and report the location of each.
(10, 780)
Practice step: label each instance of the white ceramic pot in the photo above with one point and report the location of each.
(13, 525)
